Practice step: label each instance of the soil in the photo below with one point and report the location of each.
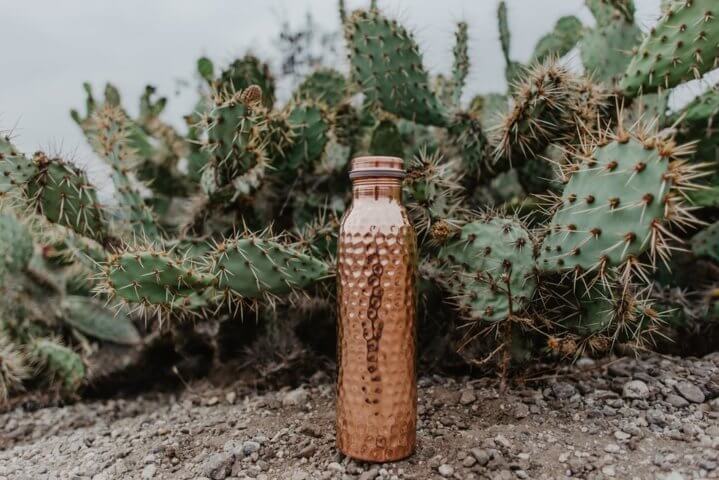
(648, 417)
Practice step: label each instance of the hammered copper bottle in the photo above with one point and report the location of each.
(376, 387)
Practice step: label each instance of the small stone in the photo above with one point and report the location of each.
(690, 391)
(636, 389)
(308, 451)
(370, 474)
(481, 455)
(612, 448)
(300, 475)
(608, 470)
(250, 447)
(656, 417)
(218, 465)
(619, 435)
(676, 401)
(212, 401)
(521, 410)
(230, 397)
(469, 461)
(335, 467)
(149, 471)
(468, 397)
(563, 390)
(296, 397)
(446, 470)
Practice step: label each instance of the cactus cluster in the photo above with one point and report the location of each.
(550, 216)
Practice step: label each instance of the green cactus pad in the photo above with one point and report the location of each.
(247, 71)
(386, 140)
(682, 46)
(309, 125)
(15, 168)
(387, 65)
(607, 11)
(63, 194)
(326, 85)
(610, 208)
(16, 246)
(155, 278)
(460, 64)
(606, 50)
(567, 32)
(492, 277)
(252, 267)
(59, 362)
(92, 318)
(706, 242)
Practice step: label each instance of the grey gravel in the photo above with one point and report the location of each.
(587, 424)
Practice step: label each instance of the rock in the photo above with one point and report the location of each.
(249, 447)
(218, 465)
(300, 475)
(690, 391)
(619, 435)
(636, 389)
(563, 390)
(481, 455)
(469, 461)
(308, 451)
(149, 471)
(370, 474)
(612, 448)
(468, 397)
(296, 397)
(656, 417)
(446, 470)
(714, 404)
(521, 410)
(676, 401)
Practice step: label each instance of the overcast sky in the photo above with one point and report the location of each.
(50, 48)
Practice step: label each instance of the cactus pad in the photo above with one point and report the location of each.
(92, 318)
(492, 273)
(60, 363)
(16, 246)
(386, 63)
(681, 46)
(327, 86)
(617, 204)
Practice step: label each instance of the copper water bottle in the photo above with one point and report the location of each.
(376, 386)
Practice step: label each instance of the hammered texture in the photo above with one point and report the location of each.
(376, 390)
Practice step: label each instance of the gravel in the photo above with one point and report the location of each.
(647, 417)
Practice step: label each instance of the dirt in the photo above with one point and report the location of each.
(651, 417)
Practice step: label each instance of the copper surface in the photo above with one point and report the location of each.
(376, 388)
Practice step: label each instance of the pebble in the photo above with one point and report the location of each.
(217, 466)
(467, 398)
(636, 389)
(690, 391)
(676, 401)
(250, 447)
(446, 470)
(521, 410)
(296, 397)
(563, 390)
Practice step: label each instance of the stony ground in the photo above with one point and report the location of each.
(654, 417)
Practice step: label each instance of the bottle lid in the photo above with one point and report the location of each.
(371, 166)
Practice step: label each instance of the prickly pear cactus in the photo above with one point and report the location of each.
(386, 140)
(247, 71)
(619, 200)
(327, 86)
(16, 247)
(606, 49)
(15, 168)
(387, 65)
(13, 368)
(249, 267)
(706, 242)
(90, 316)
(567, 32)
(62, 364)
(491, 269)
(682, 46)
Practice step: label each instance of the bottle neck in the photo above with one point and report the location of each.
(377, 188)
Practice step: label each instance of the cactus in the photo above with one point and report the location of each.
(13, 368)
(61, 364)
(491, 277)
(460, 66)
(327, 86)
(620, 198)
(606, 49)
(247, 71)
(150, 276)
(386, 140)
(92, 318)
(308, 125)
(387, 65)
(567, 32)
(706, 242)
(64, 196)
(15, 168)
(681, 47)
(249, 267)
(16, 247)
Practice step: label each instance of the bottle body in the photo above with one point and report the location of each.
(377, 390)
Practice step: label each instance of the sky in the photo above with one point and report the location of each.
(51, 48)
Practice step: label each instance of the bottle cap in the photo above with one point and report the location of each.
(371, 166)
